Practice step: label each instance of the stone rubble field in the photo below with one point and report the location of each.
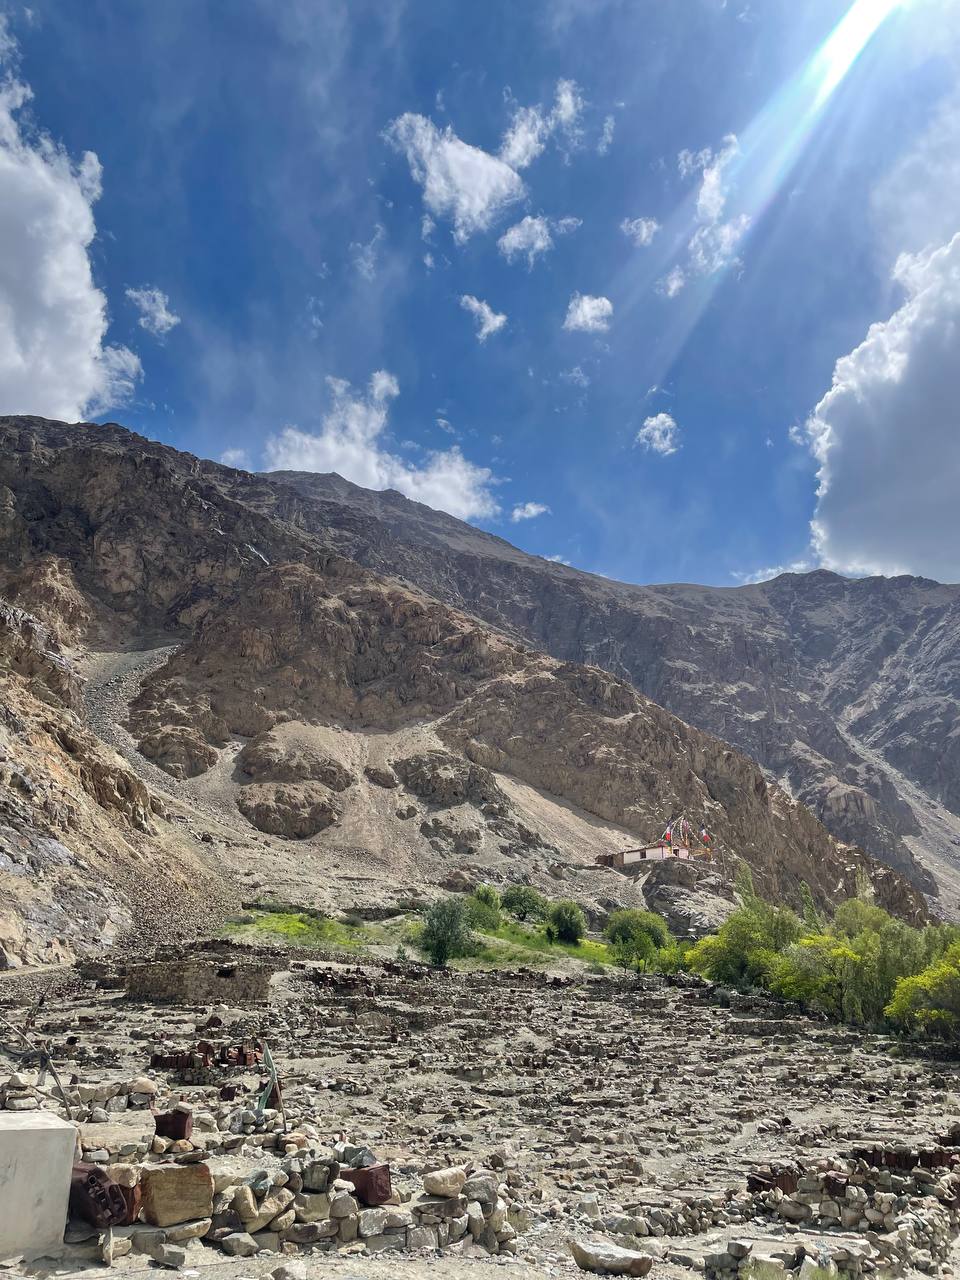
(532, 1122)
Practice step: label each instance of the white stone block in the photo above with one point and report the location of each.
(36, 1158)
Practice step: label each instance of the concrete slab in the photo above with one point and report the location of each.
(36, 1157)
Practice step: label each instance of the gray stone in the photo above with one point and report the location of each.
(609, 1259)
(239, 1244)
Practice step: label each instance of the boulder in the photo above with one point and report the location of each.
(609, 1259)
(481, 1186)
(240, 1244)
(446, 1182)
(176, 1193)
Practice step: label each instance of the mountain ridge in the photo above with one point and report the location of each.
(315, 729)
(699, 651)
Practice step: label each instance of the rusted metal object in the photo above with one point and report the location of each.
(373, 1184)
(782, 1176)
(176, 1124)
(925, 1158)
(207, 1055)
(97, 1199)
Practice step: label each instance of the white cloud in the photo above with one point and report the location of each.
(576, 376)
(568, 105)
(532, 236)
(591, 315)
(713, 245)
(640, 230)
(350, 442)
(526, 138)
(154, 307)
(606, 137)
(364, 255)
(748, 577)
(659, 434)
(460, 182)
(886, 435)
(557, 560)
(238, 458)
(672, 282)
(53, 318)
(531, 127)
(488, 320)
(528, 511)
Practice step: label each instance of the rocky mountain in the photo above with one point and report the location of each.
(845, 691)
(207, 701)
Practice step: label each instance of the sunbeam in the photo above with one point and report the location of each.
(698, 244)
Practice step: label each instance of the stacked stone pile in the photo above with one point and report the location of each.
(18, 1093)
(304, 1202)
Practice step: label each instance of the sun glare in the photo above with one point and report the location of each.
(757, 171)
(843, 46)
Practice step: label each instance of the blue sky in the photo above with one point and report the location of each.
(262, 286)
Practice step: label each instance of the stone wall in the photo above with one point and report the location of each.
(200, 980)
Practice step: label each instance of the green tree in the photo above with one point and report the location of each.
(483, 908)
(743, 949)
(524, 903)
(566, 922)
(636, 938)
(811, 916)
(929, 1002)
(446, 932)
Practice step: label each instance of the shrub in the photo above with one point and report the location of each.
(929, 1001)
(622, 926)
(483, 908)
(745, 945)
(636, 938)
(525, 903)
(566, 922)
(446, 932)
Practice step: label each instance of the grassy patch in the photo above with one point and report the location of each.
(513, 944)
(300, 929)
(535, 939)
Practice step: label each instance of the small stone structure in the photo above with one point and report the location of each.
(199, 979)
(36, 1157)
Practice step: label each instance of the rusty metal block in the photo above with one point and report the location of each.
(373, 1184)
(97, 1199)
(176, 1125)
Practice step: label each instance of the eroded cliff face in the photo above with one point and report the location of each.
(309, 729)
(371, 657)
(834, 686)
(86, 853)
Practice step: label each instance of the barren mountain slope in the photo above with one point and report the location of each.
(87, 853)
(832, 685)
(330, 736)
(368, 659)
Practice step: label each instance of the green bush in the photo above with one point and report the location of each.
(929, 1001)
(446, 931)
(636, 938)
(741, 951)
(622, 926)
(566, 922)
(524, 903)
(483, 909)
(864, 967)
